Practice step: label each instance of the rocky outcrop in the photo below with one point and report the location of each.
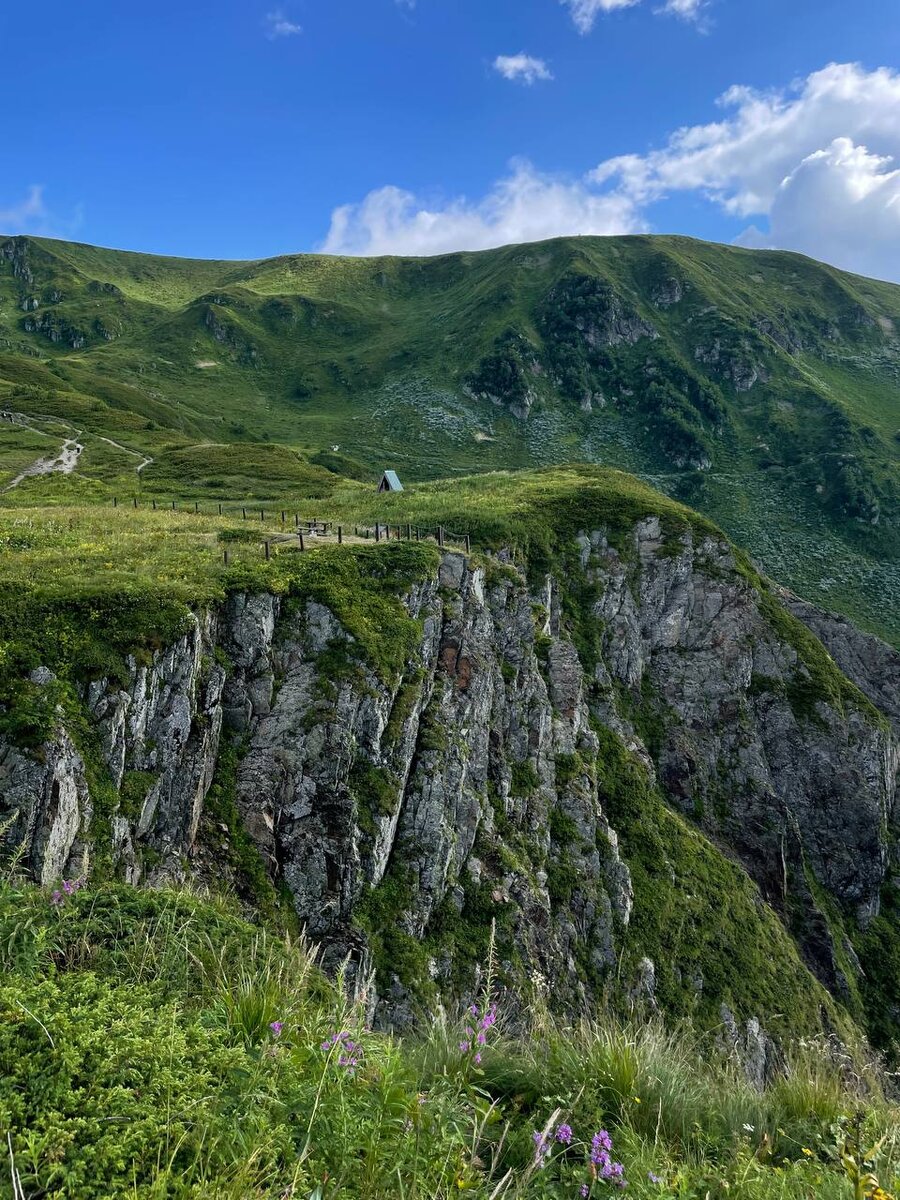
(57, 329)
(405, 815)
(870, 663)
(737, 363)
(46, 808)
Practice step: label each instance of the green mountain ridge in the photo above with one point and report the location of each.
(760, 387)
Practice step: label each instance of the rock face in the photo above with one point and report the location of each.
(871, 664)
(406, 816)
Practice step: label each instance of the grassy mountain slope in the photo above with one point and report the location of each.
(761, 387)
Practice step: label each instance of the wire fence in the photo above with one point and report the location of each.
(303, 533)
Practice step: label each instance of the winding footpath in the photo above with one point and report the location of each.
(70, 452)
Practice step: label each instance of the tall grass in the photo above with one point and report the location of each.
(153, 1044)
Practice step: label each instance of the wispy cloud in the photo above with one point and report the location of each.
(522, 68)
(31, 215)
(585, 12)
(279, 26)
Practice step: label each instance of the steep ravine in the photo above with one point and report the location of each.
(642, 770)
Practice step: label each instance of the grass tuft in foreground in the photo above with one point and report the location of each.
(153, 1044)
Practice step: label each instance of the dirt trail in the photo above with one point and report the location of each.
(145, 459)
(67, 459)
(65, 463)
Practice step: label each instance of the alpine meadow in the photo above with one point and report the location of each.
(450, 680)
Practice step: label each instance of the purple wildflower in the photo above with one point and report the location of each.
(564, 1134)
(585, 1190)
(542, 1147)
(57, 899)
(654, 1178)
(477, 1059)
(276, 1027)
(464, 1046)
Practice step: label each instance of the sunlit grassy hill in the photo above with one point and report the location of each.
(761, 387)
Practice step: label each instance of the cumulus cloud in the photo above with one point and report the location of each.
(585, 12)
(842, 205)
(522, 68)
(814, 168)
(816, 159)
(278, 26)
(525, 206)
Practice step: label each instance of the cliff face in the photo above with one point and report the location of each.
(597, 764)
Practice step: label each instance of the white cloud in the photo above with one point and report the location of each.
(525, 206)
(585, 12)
(22, 217)
(278, 25)
(522, 68)
(842, 205)
(816, 165)
(31, 215)
(689, 9)
(816, 159)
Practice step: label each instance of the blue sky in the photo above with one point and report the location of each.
(243, 129)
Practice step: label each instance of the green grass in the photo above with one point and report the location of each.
(138, 1059)
(240, 377)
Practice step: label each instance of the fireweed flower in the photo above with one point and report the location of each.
(475, 1031)
(350, 1053)
(542, 1147)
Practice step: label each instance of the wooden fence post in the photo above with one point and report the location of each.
(220, 508)
(267, 551)
(196, 506)
(115, 501)
(468, 544)
(302, 544)
(244, 513)
(340, 535)
(418, 534)
(377, 532)
(154, 506)
(441, 536)
(226, 558)
(262, 514)
(296, 521)
(282, 516)
(173, 506)
(135, 501)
